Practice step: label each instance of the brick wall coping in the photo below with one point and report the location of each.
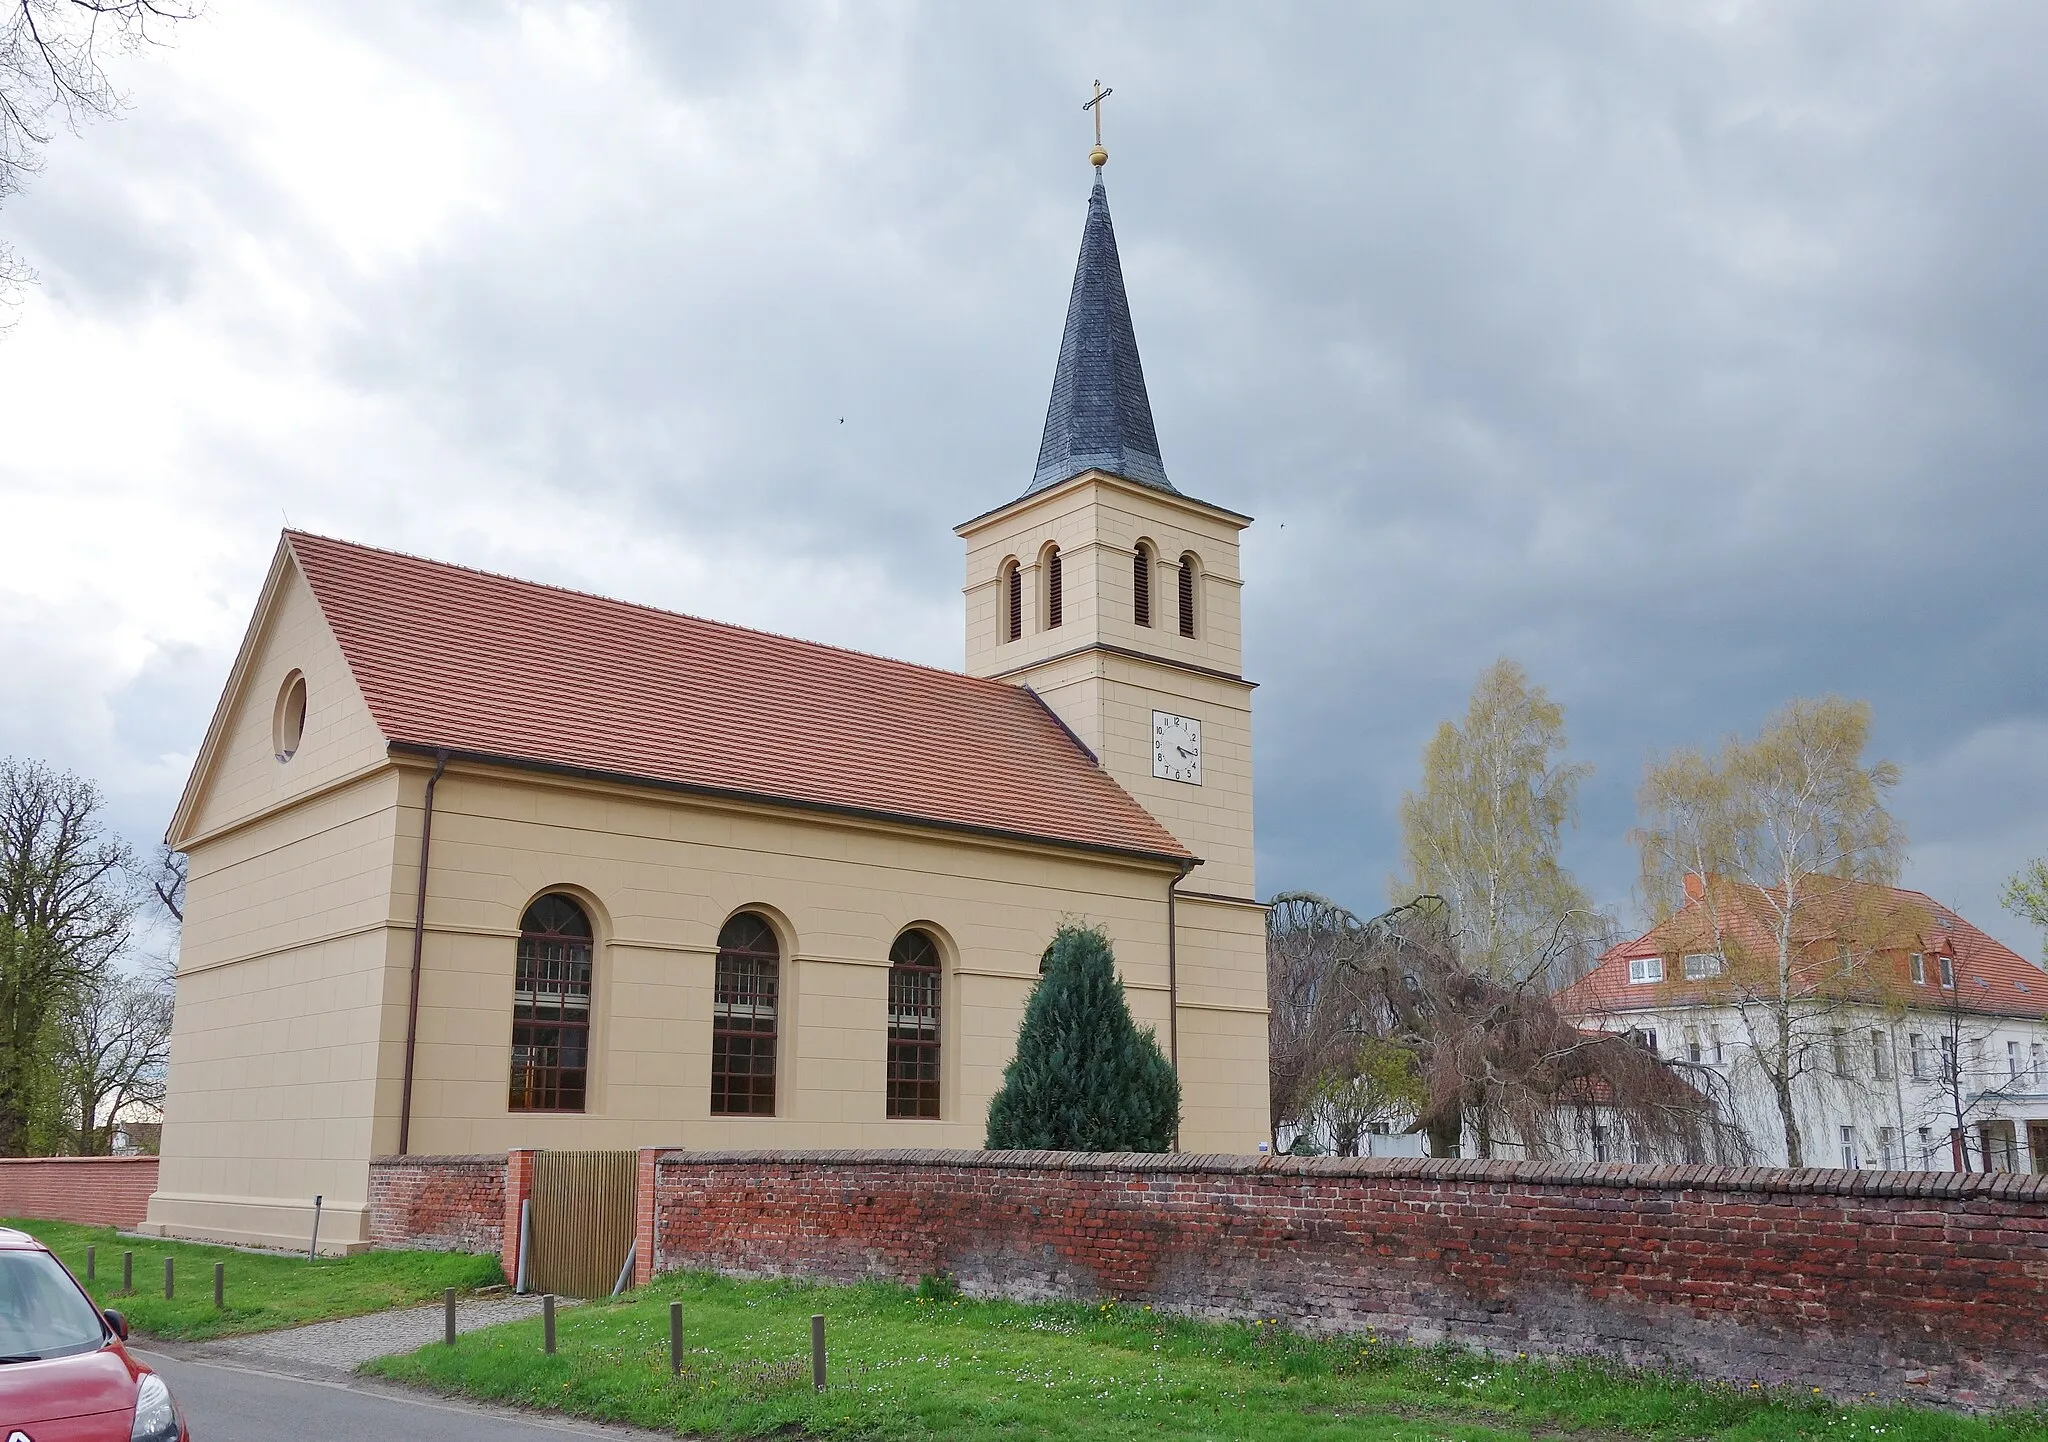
(476, 1159)
(130, 1160)
(1809, 1181)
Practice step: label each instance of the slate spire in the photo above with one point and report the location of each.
(1100, 417)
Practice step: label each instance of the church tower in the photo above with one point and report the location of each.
(1116, 597)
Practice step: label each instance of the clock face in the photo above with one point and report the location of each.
(1176, 748)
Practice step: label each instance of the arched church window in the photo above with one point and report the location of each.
(1053, 606)
(1189, 579)
(743, 1018)
(551, 1008)
(914, 985)
(1141, 585)
(1013, 601)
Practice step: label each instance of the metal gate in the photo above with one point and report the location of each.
(582, 1221)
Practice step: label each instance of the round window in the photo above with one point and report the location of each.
(289, 725)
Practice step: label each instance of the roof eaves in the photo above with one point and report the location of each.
(1175, 858)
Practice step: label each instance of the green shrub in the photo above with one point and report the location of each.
(1085, 1078)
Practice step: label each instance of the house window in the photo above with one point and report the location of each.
(1888, 1148)
(551, 1008)
(1926, 1136)
(1141, 585)
(1948, 971)
(2034, 1056)
(1702, 964)
(1640, 1154)
(1919, 969)
(1644, 1037)
(1694, 1052)
(1188, 579)
(1715, 1033)
(1055, 607)
(1880, 1056)
(1849, 1148)
(743, 1018)
(913, 1072)
(1013, 601)
(1838, 1046)
(2012, 1060)
(1916, 1050)
(1948, 1059)
(1645, 969)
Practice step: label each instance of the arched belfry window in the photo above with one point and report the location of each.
(1053, 600)
(1190, 580)
(1141, 585)
(1013, 601)
(914, 986)
(551, 1008)
(743, 1018)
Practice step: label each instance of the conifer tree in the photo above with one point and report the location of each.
(1085, 1078)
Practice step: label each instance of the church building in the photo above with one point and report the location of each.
(478, 863)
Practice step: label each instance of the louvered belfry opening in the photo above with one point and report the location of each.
(551, 1008)
(1187, 596)
(1013, 603)
(1141, 587)
(1053, 607)
(743, 1018)
(914, 987)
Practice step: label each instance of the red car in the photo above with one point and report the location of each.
(64, 1374)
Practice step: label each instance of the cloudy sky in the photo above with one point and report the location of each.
(1695, 356)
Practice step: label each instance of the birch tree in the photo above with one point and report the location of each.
(1485, 831)
(2025, 894)
(1784, 846)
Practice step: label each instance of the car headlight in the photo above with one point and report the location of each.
(156, 1420)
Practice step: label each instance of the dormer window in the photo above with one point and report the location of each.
(1919, 965)
(1948, 971)
(1643, 970)
(1699, 965)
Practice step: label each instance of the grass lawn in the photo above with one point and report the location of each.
(263, 1291)
(933, 1366)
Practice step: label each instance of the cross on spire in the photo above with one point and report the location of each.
(1098, 156)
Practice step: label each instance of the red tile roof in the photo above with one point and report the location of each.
(1991, 978)
(490, 666)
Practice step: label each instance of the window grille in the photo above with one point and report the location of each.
(1187, 596)
(914, 986)
(1054, 610)
(743, 1018)
(551, 1008)
(1141, 587)
(1013, 603)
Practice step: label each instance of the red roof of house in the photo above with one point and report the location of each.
(1990, 977)
(489, 666)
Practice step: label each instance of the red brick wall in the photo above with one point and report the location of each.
(105, 1191)
(439, 1204)
(1913, 1284)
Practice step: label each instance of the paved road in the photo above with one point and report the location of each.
(228, 1402)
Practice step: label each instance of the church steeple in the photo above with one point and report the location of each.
(1100, 417)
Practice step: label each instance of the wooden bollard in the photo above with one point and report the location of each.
(127, 1273)
(92, 1261)
(220, 1283)
(675, 1339)
(547, 1322)
(818, 1352)
(167, 1279)
(448, 1315)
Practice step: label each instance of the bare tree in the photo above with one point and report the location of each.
(1356, 997)
(52, 55)
(1969, 1085)
(114, 1037)
(65, 914)
(167, 882)
(1774, 840)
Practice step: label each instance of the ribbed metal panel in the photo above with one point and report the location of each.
(582, 1220)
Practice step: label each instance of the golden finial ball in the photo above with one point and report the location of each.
(1098, 157)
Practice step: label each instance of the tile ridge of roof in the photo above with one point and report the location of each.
(984, 682)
